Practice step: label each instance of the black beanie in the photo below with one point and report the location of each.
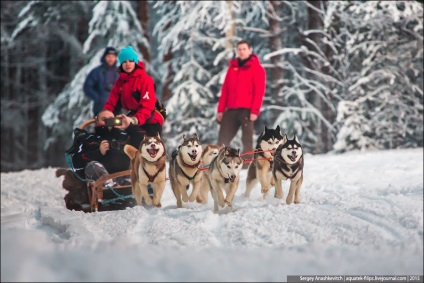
(110, 50)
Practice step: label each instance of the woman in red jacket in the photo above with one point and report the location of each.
(241, 97)
(134, 91)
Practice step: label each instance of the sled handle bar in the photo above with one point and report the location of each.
(86, 123)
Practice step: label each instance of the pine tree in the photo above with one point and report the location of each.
(385, 75)
(305, 103)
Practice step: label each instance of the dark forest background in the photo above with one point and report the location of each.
(342, 75)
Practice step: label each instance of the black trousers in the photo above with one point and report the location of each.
(231, 122)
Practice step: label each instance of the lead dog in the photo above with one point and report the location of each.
(260, 169)
(148, 167)
(184, 169)
(224, 174)
(288, 164)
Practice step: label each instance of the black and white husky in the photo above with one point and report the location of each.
(260, 169)
(288, 164)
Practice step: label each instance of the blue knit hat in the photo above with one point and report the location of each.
(128, 53)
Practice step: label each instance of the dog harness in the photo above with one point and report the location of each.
(188, 177)
(280, 170)
(152, 178)
(190, 166)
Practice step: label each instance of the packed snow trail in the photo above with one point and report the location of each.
(360, 214)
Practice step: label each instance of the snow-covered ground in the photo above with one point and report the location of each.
(360, 214)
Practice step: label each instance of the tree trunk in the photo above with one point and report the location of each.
(166, 91)
(231, 32)
(143, 16)
(276, 43)
(42, 98)
(315, 23)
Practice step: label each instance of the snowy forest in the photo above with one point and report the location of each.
(341, 75)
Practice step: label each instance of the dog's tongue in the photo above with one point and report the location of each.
(152, 151)
(293, 157)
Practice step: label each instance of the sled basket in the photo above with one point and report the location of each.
(105, 198)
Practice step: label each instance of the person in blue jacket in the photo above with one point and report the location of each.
(101, 79)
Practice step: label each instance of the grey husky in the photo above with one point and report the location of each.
(184, 169)
(224, 174)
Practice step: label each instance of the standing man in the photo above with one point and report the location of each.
(101, 79)
(241, 97)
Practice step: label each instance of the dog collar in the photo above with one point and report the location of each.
(188, 165)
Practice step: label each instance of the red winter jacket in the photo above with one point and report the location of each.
(244, 87)
(137, 82)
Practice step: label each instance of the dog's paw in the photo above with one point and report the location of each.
(228, 203)
(199, 199)
(194, 197)
(158, 205)
(156, 201)
(278, 196)
(148, 201)
(296, 201)
(264, 190)
(289, 200)
(221, 203)
(185, 198)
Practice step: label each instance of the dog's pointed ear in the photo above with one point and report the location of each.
(222, 146)
(296, 139)
(278, 129)
(238, 151)
(284, 140)
(196, 136)
(184, 138)
(158, 135)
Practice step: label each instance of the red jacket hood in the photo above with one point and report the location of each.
(254, 60)
(138, 71)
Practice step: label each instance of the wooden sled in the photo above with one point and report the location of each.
(103, 198)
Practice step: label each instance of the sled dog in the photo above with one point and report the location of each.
(288, 164)
(184, 169)
(210, 151)
(260, 169)
(224, 174)
(148, 167)
(77, 196)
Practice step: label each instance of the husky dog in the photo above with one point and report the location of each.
(224, 173)
(260, 169)
(210, 151)
(288, 164)
(77, 196)
(148, 167)
(184, 169)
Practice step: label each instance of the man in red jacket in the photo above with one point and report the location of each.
(134, 91)
(241, 97)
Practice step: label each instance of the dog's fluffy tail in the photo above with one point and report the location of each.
(130, 151)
